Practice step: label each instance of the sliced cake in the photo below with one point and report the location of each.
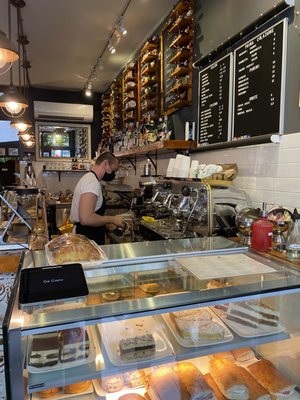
(44, 350)
(74, 344)
(137, 347)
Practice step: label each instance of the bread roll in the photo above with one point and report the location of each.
(217, 392)
(134, 378)
(131, 396)
(79, 387)
(229, 379)
(48, 393)
(111, 296)
(112, 383)
(270, 378)
(192, 382)
(225, 354)
(151, 288)
(163, 384)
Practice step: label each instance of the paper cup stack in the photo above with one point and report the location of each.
(181, 168)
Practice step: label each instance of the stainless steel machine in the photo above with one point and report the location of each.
(179, 209)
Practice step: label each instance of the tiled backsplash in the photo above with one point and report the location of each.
(267, 172)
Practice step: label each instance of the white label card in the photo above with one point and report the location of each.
(220, 266)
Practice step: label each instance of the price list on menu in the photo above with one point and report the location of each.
(214, 102)
(258, 84)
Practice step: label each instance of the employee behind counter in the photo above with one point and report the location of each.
(88, 204)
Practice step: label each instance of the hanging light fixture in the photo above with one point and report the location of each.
(26, 136)
(12, 103)
(8, 52)
(88, 90)
(30, 143)
(21, 124)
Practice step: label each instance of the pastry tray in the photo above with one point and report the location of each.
(116, 395)
(61, 395)
(87, 263)
(60, 365)
(202, 342)
(112, 332)
(246, 331)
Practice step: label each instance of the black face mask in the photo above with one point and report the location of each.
(108, 177)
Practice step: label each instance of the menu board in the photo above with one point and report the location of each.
(214, 113)
(259, 83)
(167, 69)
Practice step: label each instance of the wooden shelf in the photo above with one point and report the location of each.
(149, 82)
(181, 39)
(179, 88)
(149, 57)
(181, 22)
(162, 146)
(149, 70)
(181, 71)
(149, 46)
(132, 79)
(181, 7)
(129, 89)
(181, 55)
(150, 95)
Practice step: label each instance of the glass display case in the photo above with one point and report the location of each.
(161, 320)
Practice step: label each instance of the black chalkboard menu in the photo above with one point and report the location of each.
(215, 101)
(259, 84)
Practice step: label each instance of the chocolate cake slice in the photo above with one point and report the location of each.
(44, 350)
(74, 343)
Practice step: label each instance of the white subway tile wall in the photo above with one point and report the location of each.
(267, 172)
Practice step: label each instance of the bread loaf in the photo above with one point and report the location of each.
(192, 382)
(217, 392)
(79, 387)
(256, 390)
(270, 378)
(163, 384)
(229, 379)
(224, 354)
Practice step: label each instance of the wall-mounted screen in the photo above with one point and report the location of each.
(62, 141)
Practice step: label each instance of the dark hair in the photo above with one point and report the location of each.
(111, 158)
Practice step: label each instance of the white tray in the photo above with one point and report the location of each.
(64, 365)
(190, 343)
(112, 332)
(61, 395)
(88, 263)
(114, 396)
(247, 331)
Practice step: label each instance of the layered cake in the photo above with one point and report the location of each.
(44, 350)
(137, 347)
(252, 313)
(197, 325)
(74, 343)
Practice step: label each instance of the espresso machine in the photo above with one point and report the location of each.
(182, 209)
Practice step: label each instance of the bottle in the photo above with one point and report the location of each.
(262, 232)
(293, 239)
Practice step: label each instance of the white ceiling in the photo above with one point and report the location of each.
(67, 36)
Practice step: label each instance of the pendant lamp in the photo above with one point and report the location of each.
(21, 124)
(8, 52)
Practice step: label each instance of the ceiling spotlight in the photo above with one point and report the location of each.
(111, 48)
(123, 30)
(88, 90)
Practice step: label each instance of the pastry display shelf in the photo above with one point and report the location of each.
(282, 285)
(102, 366)
(152, 150)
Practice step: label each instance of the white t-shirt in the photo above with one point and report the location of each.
(87, 184)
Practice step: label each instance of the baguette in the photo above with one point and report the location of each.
(256, 390)
(192, 382)
(214, 386)
(270, 378)
(224, 354)
(163, 384)
(229, 379)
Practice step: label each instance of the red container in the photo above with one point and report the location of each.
(262, 232)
